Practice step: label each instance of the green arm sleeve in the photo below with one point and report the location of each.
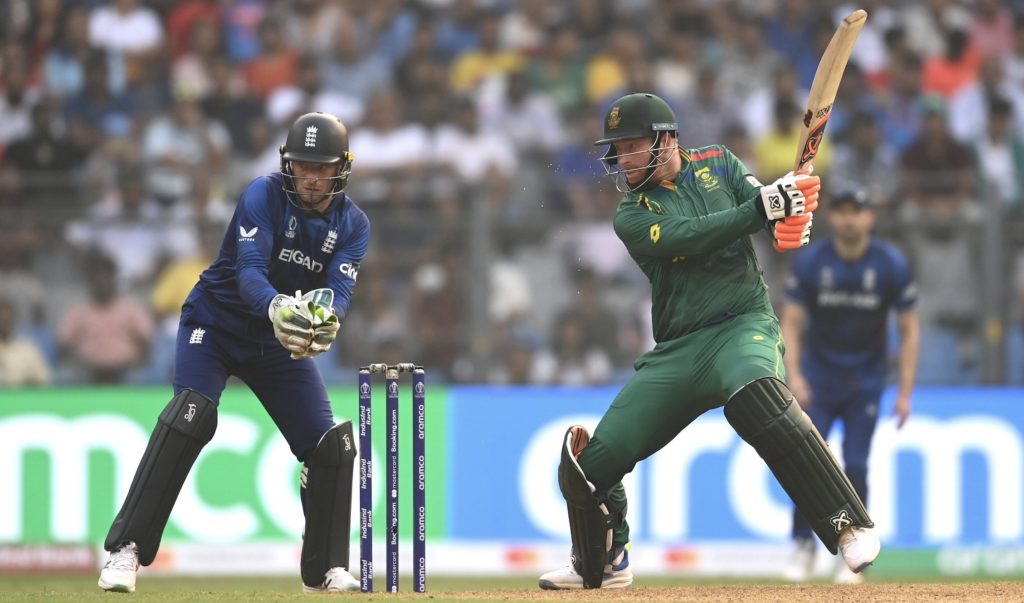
(648, 234)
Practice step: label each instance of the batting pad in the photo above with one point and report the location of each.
(186, 424)
(766, 416)
(590, 525)
(328, 504)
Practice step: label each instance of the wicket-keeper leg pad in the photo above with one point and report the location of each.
(328, 504)
(590, 524)
(765, 414)
(186, 424)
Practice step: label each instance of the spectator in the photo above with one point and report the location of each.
(175, 146)
(193, 69)
(937, 170)
(109, 334)
(706, 114)
(1013, 61)
(124, 26)
(866, 161)
(96, 115)
(313, 26)
(968, 109)
(64, 64)
(308, 94)
(992, 28)
(870, 53)
(44, 160)
(571, 360)
(558, 69)
(776, 150)
(605, 73)
(758, 114)
(385, 143)
(749, 66)
(129, 229)
(133, 31)
(243, 21)
(276, 64)
(436, 303)
(523, 29)
(999, 157)
(488, 59)
(528, 118)
(16, 100)
(21, 361)
(231, 104)
(951, 72)
(471, 154)
(185, 20)
(457, 31)
(903, 105)
(352, 69)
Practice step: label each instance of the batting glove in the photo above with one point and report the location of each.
(792, 233)
(791, 195)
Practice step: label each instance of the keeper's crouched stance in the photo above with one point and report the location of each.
(242, 320)
(686, 219)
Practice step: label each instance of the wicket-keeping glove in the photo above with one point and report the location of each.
(791, 195)
(320, 303)
(293, 323)
(792, 233)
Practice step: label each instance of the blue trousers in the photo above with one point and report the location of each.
(858, 409)
(292, 391)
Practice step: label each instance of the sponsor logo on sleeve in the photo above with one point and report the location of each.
(655, 233)
(350, 270)
(247, 235)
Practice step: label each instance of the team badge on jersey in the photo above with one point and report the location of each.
(706, 179)
(329, 241)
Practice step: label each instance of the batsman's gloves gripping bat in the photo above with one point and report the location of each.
(790, 195)
(792, 233)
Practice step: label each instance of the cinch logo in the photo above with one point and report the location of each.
(297, 257)
(350, 270)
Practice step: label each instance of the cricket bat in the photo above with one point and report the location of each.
(826, 84)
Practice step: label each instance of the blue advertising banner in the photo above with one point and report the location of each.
(953, 476)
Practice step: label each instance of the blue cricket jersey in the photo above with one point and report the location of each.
(847, 306)
(273, 247)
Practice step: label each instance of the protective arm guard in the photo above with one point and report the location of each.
(328, 505)
(766, 416)
(590, 524)
(187, 423)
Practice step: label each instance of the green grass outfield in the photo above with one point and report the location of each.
(83, 588)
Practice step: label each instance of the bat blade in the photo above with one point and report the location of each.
(826, 84)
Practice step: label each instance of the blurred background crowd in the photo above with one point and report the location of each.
(128, 128)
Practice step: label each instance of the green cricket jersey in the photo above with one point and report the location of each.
(691, 239)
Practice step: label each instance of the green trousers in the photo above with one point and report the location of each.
(675, 383)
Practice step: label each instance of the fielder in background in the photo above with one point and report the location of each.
(834, 322)
(293, 230)
(686, 219)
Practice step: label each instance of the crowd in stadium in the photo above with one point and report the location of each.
(129, 127)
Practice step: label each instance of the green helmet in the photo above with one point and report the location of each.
(636, 116)
(639, 115)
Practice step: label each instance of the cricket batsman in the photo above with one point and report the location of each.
(686, 219)
(293, 231)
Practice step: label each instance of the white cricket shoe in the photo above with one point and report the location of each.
(616, 575)
(859, 547)
(336, 580)
(801, 564)
(118, 575)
